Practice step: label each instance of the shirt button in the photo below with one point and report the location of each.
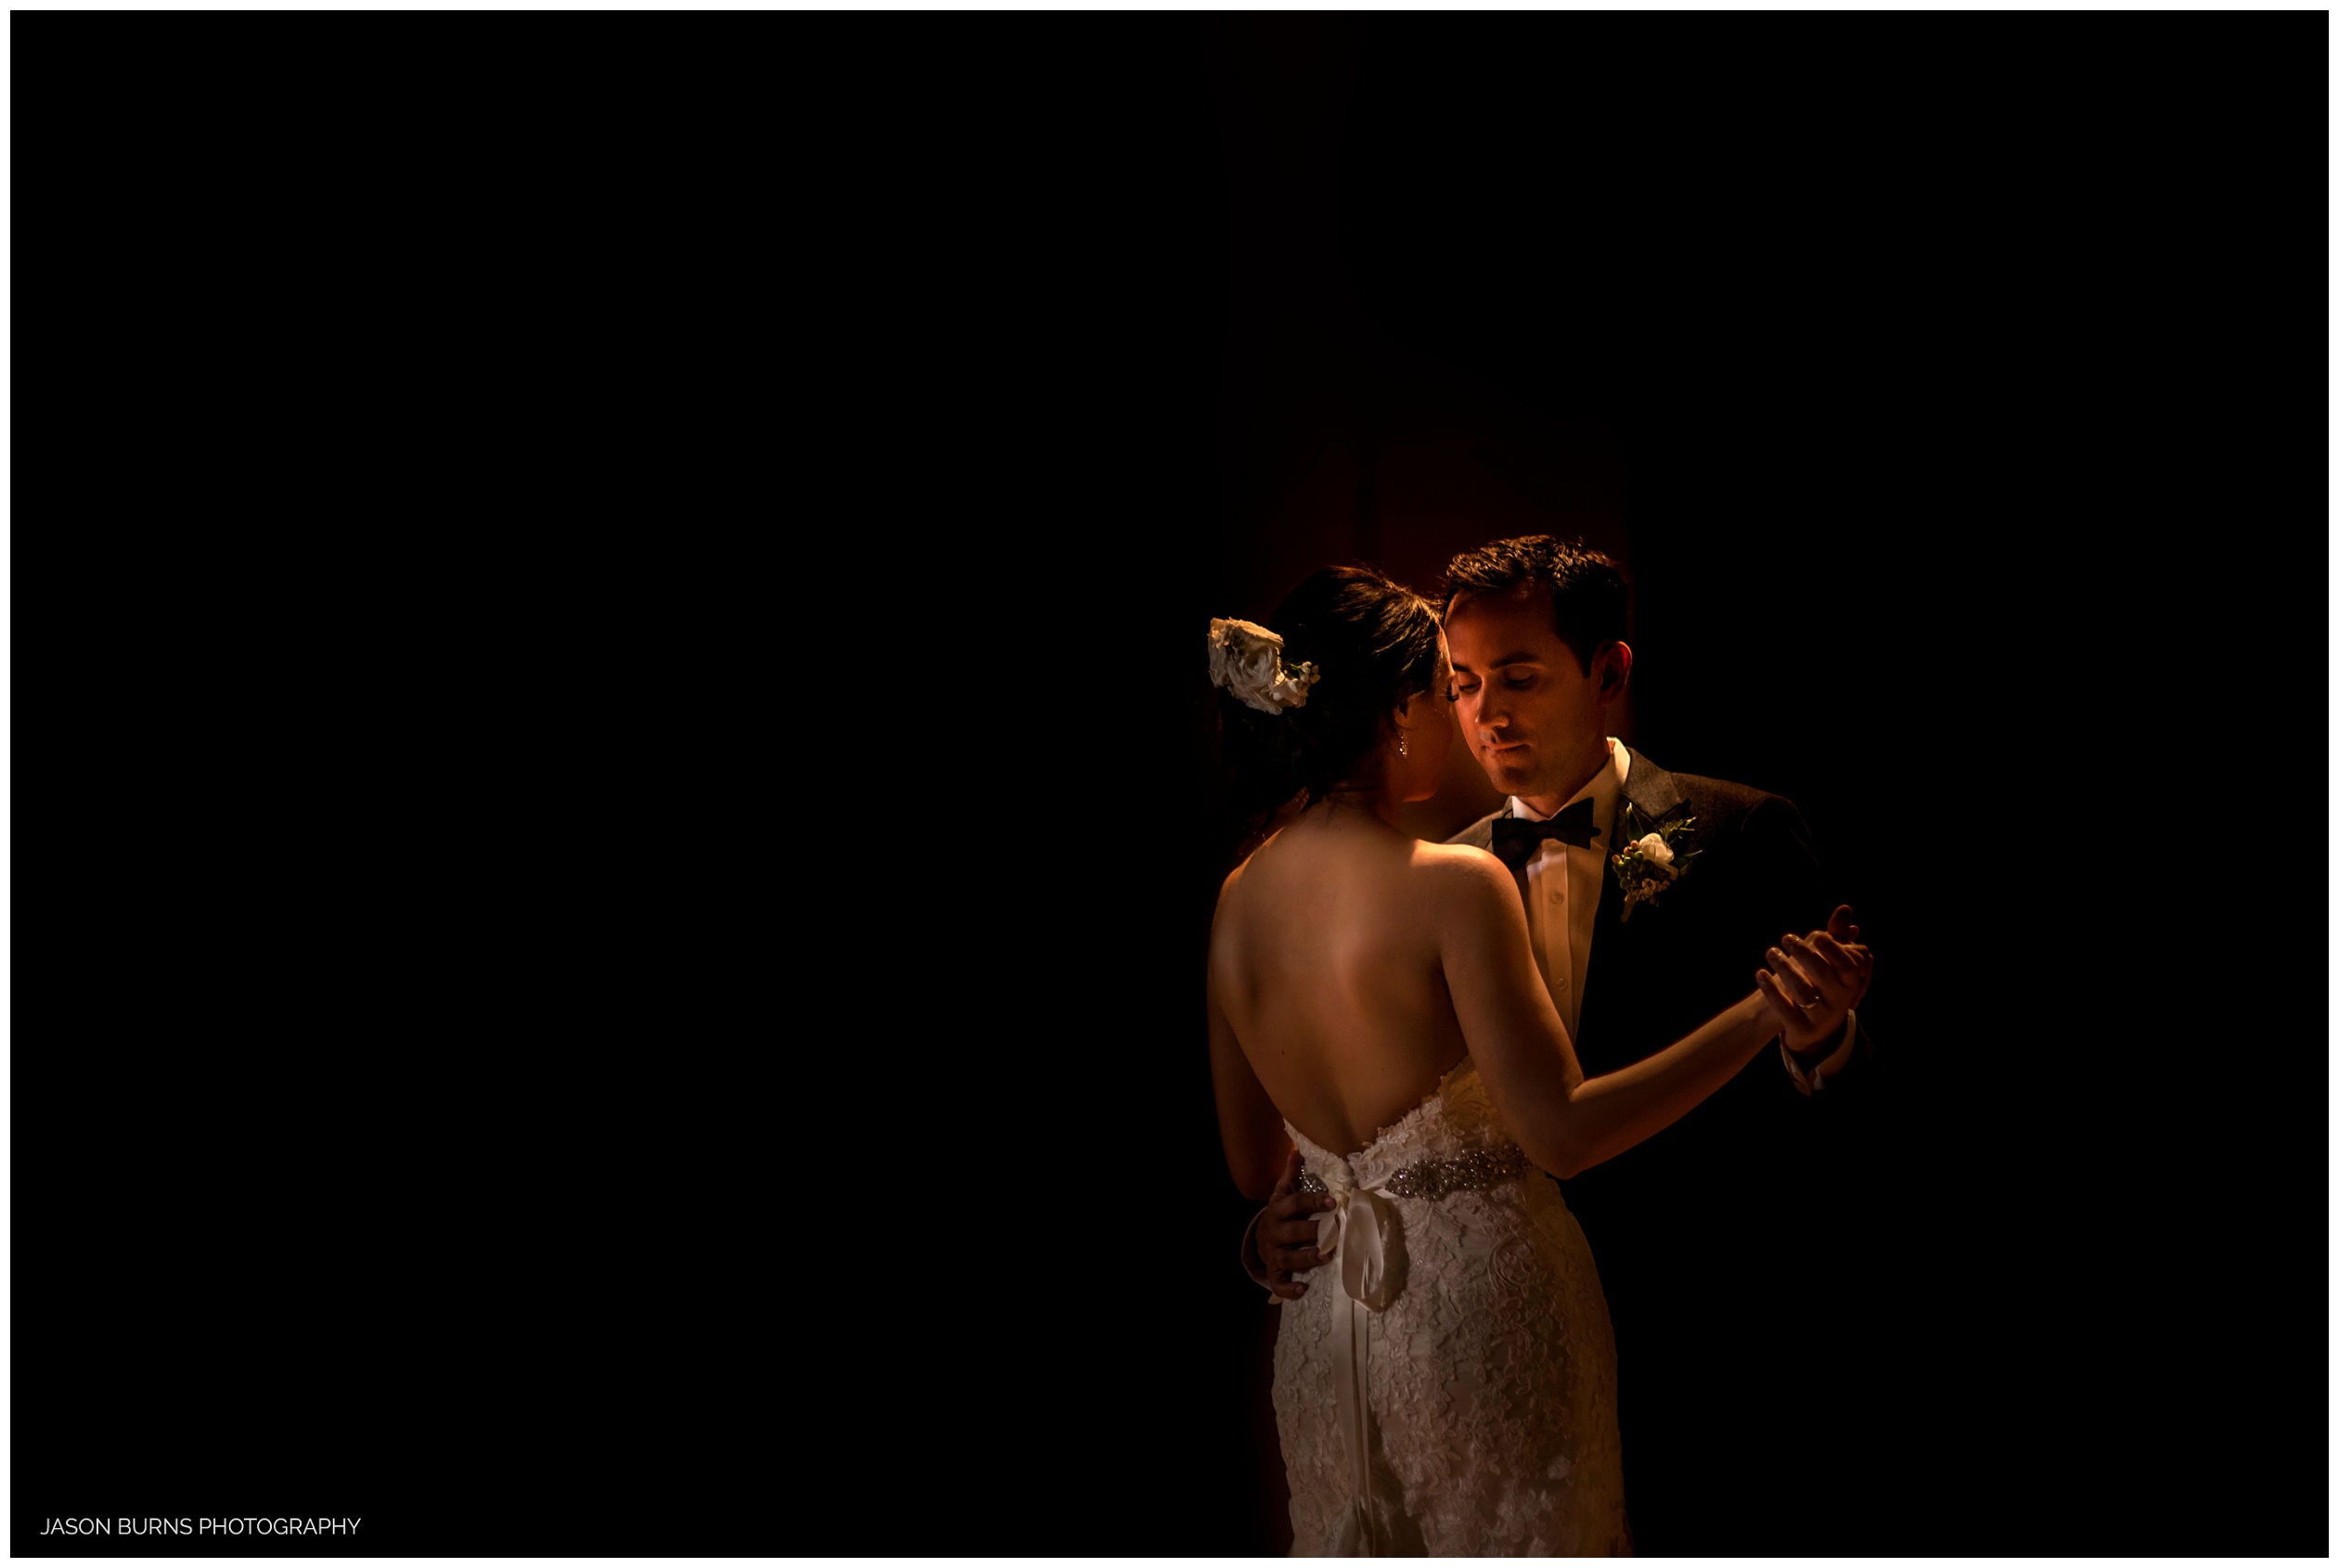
(1559, 982)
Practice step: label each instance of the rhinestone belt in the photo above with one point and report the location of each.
(1473, 1172)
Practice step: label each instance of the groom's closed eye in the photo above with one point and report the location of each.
(1515, 680)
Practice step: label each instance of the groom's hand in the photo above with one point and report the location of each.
(1287, 1232)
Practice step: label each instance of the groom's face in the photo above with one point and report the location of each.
(1535, 720)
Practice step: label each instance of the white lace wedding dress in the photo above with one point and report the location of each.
(1451, 1369)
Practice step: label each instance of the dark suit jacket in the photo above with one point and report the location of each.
(1701, 1233)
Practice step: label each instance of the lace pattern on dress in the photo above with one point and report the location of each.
(1489, 1370)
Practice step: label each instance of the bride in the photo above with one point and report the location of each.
(1373, 1004)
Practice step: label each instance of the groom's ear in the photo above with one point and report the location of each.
(1611, 666)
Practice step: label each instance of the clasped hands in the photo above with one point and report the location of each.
(1813, 981)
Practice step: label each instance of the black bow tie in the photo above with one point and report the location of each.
(1516, 838)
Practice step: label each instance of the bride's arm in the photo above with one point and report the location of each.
(1565, 1122)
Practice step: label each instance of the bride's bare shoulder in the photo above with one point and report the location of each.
(1463, 877)
(1234, 878)
(1226, 888)
(1231, 889)
(1463, 864)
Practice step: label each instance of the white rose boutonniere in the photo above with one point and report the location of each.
(1649, 864)
(1247, 659)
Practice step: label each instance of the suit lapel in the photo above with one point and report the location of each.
(1652, 792)
(1653, 798)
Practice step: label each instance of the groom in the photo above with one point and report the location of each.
(1722, 1442)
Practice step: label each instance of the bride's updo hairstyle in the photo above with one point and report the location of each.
(1373, 643)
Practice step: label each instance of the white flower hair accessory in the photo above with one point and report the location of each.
(1247, 659)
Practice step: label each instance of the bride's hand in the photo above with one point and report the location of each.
(1814, 980)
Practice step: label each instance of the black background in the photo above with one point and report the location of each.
(620, 828)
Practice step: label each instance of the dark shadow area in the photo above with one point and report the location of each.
(720, 1066)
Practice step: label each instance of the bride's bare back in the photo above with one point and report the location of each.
(1325, 959)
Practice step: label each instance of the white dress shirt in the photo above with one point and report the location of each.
(1560, 884)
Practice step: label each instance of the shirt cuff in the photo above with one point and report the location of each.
(1807, 1080)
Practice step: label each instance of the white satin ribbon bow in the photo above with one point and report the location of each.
(1354, 1234)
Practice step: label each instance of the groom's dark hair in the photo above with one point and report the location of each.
(1588, 592)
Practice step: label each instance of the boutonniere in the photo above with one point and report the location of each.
(1649, 864)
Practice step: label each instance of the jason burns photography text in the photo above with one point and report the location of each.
(246, 1526)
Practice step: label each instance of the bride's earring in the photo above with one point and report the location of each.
(1401, 750)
